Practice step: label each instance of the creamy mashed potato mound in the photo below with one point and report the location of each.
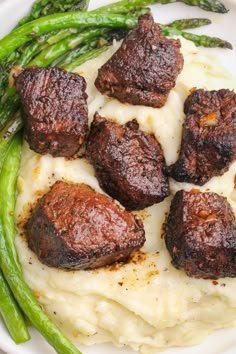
(146, 304)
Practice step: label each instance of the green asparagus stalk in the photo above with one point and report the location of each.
(48, 7)
(71, 5)
(6, 187)
(27, 52)
(125, 6)
(189, 23)
(208, 5)
(11, 314)
(10, 129)
(9, 309)
(9, 107)
(97, 43)
(50, 54)
(5, 68)
(24, 33)
(85, 57)
(139, 11)
(76, 53)
(199, 40)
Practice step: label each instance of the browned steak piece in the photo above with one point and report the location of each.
(129, 163)
(209, 136)
(200, 234)
(144, 69)
(54, 110)
(74, 227)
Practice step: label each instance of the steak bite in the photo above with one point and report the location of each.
(200, 234)
(209, 136)
(54, 110)
(75, 227)
(144, 69)
(129, 163)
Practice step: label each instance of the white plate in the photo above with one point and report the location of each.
(220, 342)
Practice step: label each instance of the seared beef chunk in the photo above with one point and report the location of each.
(129, 163)
(54, 110)
(200, 234)
(76, 228)
(209, 136)
(144, 69)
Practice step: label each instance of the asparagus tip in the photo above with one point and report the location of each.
(228, 45)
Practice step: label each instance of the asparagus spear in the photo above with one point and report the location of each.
(6, 187)
(11, 314)
(189, 23)
(50, 54)
(5, 68)
(76, 53)
(9, 309)
(97, 43)
(45, 24)
(47, 7)
(84, 57)
(199, 40)
(7, 133)
(9, 107)
(208, 5)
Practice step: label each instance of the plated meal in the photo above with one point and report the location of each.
(125, 179)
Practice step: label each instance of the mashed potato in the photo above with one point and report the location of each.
(146, 304)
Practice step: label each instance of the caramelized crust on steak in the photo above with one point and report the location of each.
(209, 136)
(200, 234)
(54, 110)
(144, 69)
(129, 163)
(74, 227)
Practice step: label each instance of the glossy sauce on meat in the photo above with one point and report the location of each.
(128, 162)
(209, 136)
(200, 234)
(144, 69)
(54, 110)
(74, 227)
